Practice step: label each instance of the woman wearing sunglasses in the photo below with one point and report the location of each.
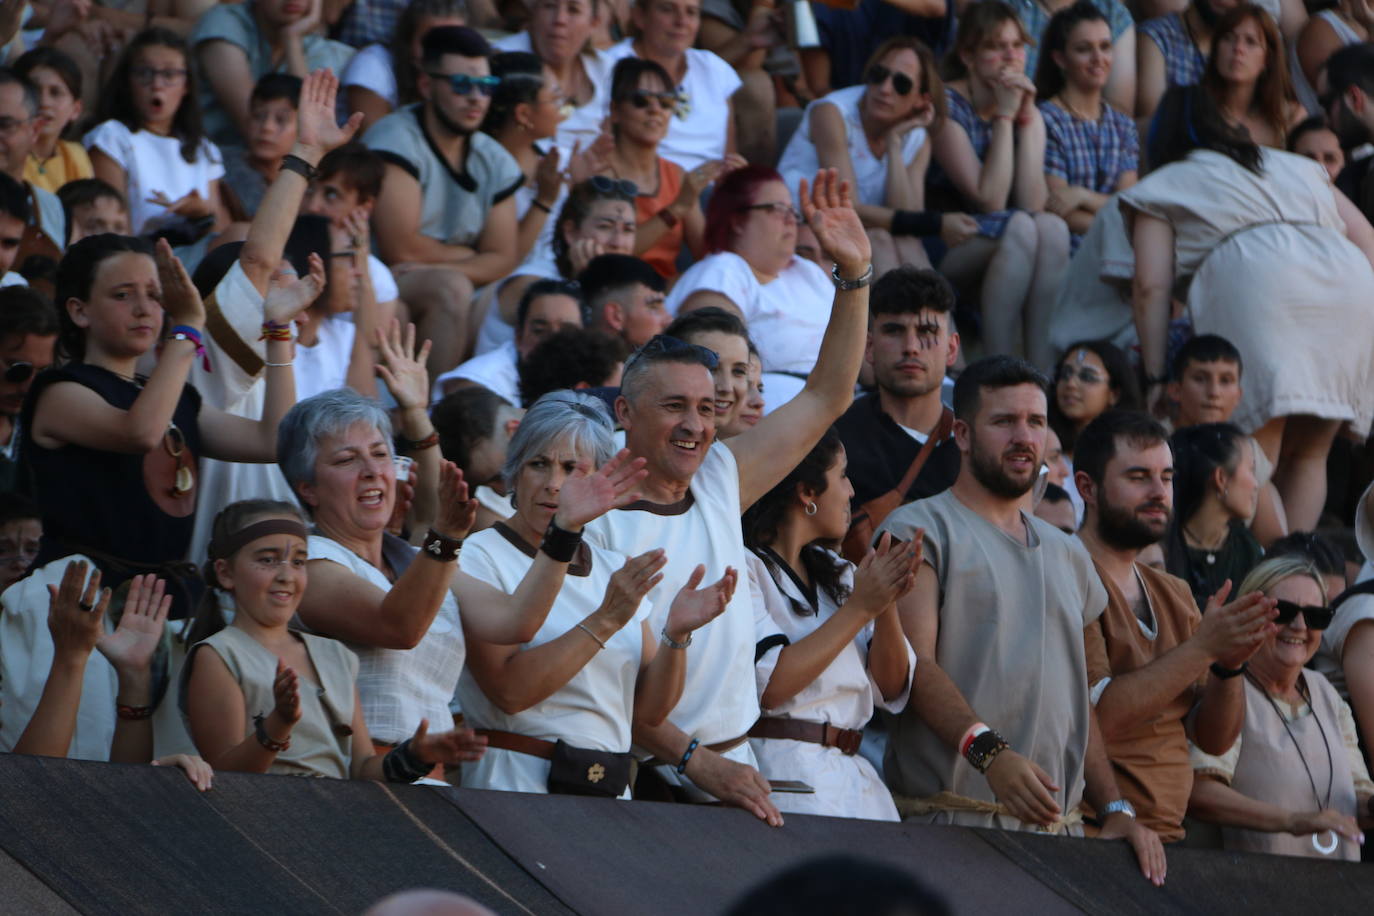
(1294, 783)
(990, 160)
(1091, 149)
(877, 136)
(668, 202)
(1092, 376)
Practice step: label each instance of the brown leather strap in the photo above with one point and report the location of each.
(822, 733)
(937, 435)
(520, 744)
(228, 340)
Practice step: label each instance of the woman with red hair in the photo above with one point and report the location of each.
(754, 272)
(1247, 75)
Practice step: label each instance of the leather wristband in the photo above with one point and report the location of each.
(266, 740)
(293, 163)
(984, 749)
(1225, 674)
(561, 546)
(915, 222)
(681, 767)
(402, 765)
(669, 219)
(419, 445)
(441, 548)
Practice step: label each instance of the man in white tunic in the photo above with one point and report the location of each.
(693, 497)
(997, 618)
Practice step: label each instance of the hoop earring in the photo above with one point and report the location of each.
(810, 508)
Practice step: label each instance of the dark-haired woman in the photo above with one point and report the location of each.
(841, 653)
(149, 142)
(1091, 377)
(113, 453)
(1091, 149)
(1247, 75)
(1275, 260)
(1215, 494)
(876, 135)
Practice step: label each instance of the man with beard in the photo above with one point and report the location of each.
(445, 218)
(1350, 108)
(997, 618)
(910, 345)
(1149, 654)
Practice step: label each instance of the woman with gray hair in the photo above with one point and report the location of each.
(398, 608)
(557, 711)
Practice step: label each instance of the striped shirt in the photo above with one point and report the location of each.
(1089, 154)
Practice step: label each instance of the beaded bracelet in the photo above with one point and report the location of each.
(272, 330)
(686, 756)
(267, 740)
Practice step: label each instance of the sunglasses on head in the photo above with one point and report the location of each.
(1316, 618)
(666, 101)
(620, 186)
(463, 84)
(663, 345)
(17, 373)
(901, 83)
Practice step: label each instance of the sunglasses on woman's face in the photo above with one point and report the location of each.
(901, 83)
(664, 101)
(1316, 618)
(18, 373)
(1086, 376)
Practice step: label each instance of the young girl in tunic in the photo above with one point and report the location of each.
(841, 653)
(267, 698)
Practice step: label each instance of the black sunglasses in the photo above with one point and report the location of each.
(1316, 618)
(901, 83)
(619, 186)
(666, 101)
(663, 345)
(18, 373)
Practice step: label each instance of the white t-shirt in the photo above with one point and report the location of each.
(786, 317)
(583, 125)
(324, 366)
(594, 709)
(708, 85)
(399, 687)
(540, 263)
(12, 279)
(371, 69)
(152, 163)
(384, 288)
(799, 159)
(495, 371)
(719, 702)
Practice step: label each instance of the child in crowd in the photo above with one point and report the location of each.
(91, 207)
(267, 698)
(149, 142)
(21, 530)
(57, 79)
(272, 114)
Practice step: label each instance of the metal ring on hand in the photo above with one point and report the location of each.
(85, 607)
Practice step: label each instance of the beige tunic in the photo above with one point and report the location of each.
(322, 741)
(1011, 638)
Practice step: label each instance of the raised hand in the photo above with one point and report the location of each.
(289, 295)
(457, 510)
(196, 769)
(131, 646)
(828, 209)
(1232, 633)
(886, 573)
(287, 693)
(548, 178)
(584, 497)
(317, 129)
(693, 607)
(461, 745)
(402, 366)
(1023, 788)
(76, 611)
(628, 586)
(180, 298)
(595, 159)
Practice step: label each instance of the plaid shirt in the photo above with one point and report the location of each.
(368, 22)
(1089, 154)
(1183, 62)
(1036, 18)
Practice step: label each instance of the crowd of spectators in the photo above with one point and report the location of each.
(953, 410)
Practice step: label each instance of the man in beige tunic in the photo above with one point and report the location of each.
(997, 618)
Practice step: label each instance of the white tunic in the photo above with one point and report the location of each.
(719, 702)
(800, 161)
(496, 370)
(399, 687)
(844, 695)
(592, 710)
(787, 316)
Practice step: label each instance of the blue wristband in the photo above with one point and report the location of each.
(687, 755)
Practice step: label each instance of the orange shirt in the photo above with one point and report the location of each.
(663, 256)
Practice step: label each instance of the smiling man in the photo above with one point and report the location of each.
(1160, 674)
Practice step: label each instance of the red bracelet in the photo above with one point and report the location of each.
(133, 712)
(419, 445)
(974, 730)
(271, 330)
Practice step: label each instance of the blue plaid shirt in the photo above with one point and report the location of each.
(1089, 154)
(1036, 19)
(368, 22)
(1183, 62)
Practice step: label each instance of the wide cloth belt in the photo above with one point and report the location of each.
(949, 801)
(822, 733)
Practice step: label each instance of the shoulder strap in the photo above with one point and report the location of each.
(1359, 588)
(937, 435)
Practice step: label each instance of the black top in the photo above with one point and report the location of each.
(1206, 570)
(880, 452)
(1356, 181)
(101, 501)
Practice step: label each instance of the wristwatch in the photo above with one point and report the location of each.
(1120, 806)
(857, 283)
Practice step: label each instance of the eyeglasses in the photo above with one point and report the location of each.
(1086, 376)
(778, 208)
(463, 84)
(619, 186)
(672, 349)
(901, 83)
(1317, 618)
(19, 372)
(147, 76)
(664, 101)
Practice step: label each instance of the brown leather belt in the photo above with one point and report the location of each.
(720, 747)
(822, 733)
(520, 744)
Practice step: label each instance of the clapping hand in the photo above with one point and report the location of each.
(180, 298)
(131, 646)
(286, 690)
(886, 573)
(584, 496)
(289, 295)
(828, 209)
(462, 745)
(629, 584)
(457, 509)
(402, 366)
(693, 607)
(76, 613)
(192, 205)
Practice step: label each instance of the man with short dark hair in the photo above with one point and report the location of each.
(14, 216)
(272, 123)
(997, 617)
(1350, 109)
(28, 336)
(475, 427)
(93, 207)
(1149, 654)
(571, 358)
(18, 133)
(1205, 380)
(625, 296)
(911, 342)
(445, 218)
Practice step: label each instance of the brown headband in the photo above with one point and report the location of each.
(250, 533)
